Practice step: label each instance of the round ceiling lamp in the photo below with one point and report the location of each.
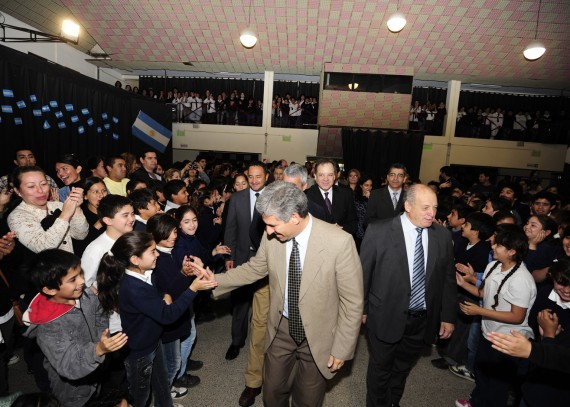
(534, 50)
(396, 22)
(248, 38)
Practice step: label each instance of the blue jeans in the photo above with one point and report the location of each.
(186, 348)
(144, 372)
(171, 352)
(473, 343)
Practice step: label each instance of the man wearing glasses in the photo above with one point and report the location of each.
(388, 202)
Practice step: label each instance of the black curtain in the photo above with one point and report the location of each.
(251, 87)
(432, 95)
(296, 88)
(55, 110)
(374, 151)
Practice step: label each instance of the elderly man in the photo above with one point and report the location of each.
(316, 296)
(410, 292)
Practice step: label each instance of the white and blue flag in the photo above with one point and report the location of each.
(151, 132)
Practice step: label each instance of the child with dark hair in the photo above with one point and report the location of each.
(124, 280)
(116, 213)
(145, 204)
(168, 278)
(508, 293)
(496, 204)
(504, 217)
(455, 221)
(70, 329)
(135, 184)
(540, 230)
(545, 387)
(210, 231)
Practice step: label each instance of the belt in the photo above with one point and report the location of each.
(417, 314)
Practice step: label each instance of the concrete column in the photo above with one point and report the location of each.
(451, 104)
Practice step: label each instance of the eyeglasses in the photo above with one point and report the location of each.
(394, 175)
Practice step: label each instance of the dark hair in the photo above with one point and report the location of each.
(161, 226)
(140, 199)
(502, 215)
(93, 162)
(182, 211)
(482, 223)
(110, 161)
(206, 194)
(463, 210)
(398, 166)
(50, 266)
(547, 224)
(143, 153)
(500, 204)
(68, 159)
(258, 164)
(89, 182)
(113, 265)
(36, 400)
(111, 205)
(515, 187)
(446, 170)
(173, 187)
(550, 197)
(132, 184)
(16, 177)
(560, 272)
(323, 161)
(512, 237)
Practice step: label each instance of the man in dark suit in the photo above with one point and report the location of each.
(408, 301)
(337, 202)
(388, 202)
(297, 174)
(146, 173)
(244, 229)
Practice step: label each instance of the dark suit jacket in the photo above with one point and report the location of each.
(344, 211)
(142, 175)
(387, 286)
(380, 205)
(237, 231)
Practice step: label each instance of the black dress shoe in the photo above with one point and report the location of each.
(440, 363)
(247, 397)
(232, 353)
(194, 365)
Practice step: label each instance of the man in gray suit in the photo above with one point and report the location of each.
(410, 293)
(315, 284)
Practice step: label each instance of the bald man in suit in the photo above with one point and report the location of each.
(410, 293)
(313, 336)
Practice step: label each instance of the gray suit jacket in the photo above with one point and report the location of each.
(330, 297)
(387, 286)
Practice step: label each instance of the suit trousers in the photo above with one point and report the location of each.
(389, 364)
(241, 304)
(290, 371)
(256, 346)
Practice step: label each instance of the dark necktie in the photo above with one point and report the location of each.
(395, 199)
(256, 227)
(328, 203)
(419, 276)
(296, 329)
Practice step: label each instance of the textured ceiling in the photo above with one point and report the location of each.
(470, 40)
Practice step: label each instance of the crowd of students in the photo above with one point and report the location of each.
(79, 258)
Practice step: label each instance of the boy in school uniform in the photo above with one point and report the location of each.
(70, 328)
(117, 213)
(145, 204)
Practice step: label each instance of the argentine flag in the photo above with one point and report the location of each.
(151, 132)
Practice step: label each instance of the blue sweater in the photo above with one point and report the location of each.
(187, 245)
(167, 278)
(143, 314)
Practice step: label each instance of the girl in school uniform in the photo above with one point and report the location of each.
(144, 312)
(508, 291)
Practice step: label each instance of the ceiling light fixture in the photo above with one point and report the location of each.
(397, 21)
(70, 31)
(535, 49)
(248, 38)
(353, 86)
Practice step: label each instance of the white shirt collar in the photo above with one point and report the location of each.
(303, 237)
(556, 298)
(146, 277)
(138, 217)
